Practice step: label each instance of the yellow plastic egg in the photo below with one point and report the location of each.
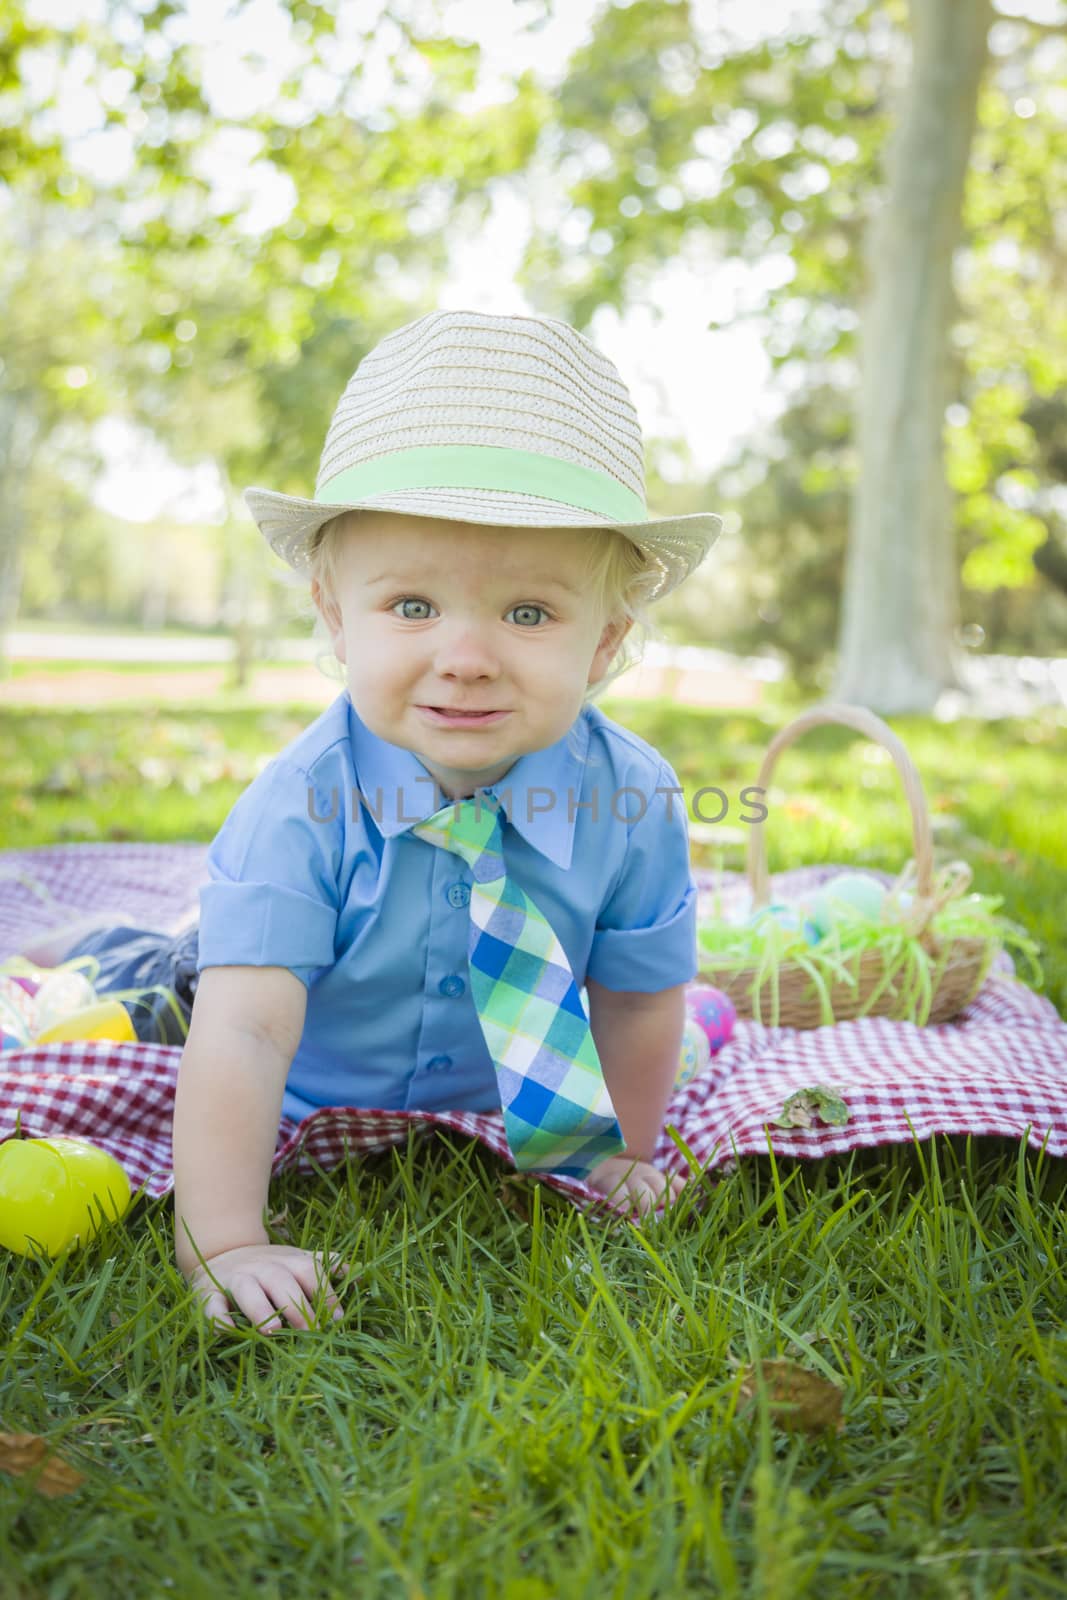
(52, 1191)
(106, 1019)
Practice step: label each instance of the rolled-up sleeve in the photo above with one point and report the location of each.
(273, 899)
(645, 936)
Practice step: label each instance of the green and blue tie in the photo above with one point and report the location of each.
(558, 1115)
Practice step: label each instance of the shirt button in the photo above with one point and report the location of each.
(451, 985)
(438, 1063)
(458, 894)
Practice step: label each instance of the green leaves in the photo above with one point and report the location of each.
(664, 136)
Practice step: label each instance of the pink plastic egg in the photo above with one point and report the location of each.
(714, 1011)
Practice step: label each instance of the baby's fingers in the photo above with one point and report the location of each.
(308, 1274)
(346, 1270)
(250, 1294)
(217, 1310)
(652, 1196)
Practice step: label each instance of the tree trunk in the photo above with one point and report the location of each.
(1050, 559)
(897, 648)
(244, 645)
(18, 430)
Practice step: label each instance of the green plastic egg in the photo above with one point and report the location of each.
(52, 1191)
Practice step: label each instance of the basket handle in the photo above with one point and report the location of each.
(863, 721)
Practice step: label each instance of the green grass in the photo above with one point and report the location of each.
(522, 1403)
(57, 667)
(135, 630)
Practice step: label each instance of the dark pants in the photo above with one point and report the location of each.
(134, 958)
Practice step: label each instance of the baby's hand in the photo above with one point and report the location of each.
(260, 1278)
(634, 1181)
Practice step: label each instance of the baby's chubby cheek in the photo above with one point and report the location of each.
(370, 684)
(377, 711)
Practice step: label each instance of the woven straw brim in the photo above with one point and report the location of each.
(677, 544)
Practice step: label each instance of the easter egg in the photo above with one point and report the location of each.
(713, 1010)
(845, 897)
(789, 917)
(16, 1014)
(695, 1055)
(903, 902)
(107, 1019)
(52, 1191)
(59, 995)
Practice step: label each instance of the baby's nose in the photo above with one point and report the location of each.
(467, 654)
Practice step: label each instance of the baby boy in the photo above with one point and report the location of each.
(478, 549)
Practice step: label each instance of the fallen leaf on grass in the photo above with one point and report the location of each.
(278, 1222)
(798, 1400)
(513, 1191)
(802, 1108)
(23, 1452)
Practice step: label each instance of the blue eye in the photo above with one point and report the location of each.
(413, 600)
(529, 607)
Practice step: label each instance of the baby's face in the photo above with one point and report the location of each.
(432, 615)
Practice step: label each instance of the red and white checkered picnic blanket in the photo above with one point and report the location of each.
(1000, 1067)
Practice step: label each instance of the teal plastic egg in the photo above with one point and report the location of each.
(844, 897)
(790, 917)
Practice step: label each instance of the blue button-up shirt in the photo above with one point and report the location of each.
(316, 869)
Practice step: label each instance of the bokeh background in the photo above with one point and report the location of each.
(824, 244)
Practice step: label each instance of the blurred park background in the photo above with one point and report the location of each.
(825, 244)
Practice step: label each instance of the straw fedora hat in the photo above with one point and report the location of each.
(469, 417)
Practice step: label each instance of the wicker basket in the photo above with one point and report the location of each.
(960, 965)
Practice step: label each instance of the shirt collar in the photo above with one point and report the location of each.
(550, 779)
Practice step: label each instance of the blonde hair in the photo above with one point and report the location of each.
(616, 577)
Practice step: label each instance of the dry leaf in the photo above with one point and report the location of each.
(802, 1108)
(799, 1401)
(512, 1191)
(23, 1452)
(278, 1222)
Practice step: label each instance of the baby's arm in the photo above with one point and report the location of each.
(245, 1028)
(638, 1038)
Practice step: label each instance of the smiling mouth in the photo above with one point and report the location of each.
(460, 715)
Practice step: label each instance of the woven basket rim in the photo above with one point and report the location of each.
(953, 956)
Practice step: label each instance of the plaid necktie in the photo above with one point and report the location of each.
(558, 1115)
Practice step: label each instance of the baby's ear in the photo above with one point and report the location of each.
(611, 636)
(615, 631)
(325, 603)
(330, 612)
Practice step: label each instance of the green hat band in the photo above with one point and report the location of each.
(486, 467)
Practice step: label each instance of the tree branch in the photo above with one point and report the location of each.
(1032, 22)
